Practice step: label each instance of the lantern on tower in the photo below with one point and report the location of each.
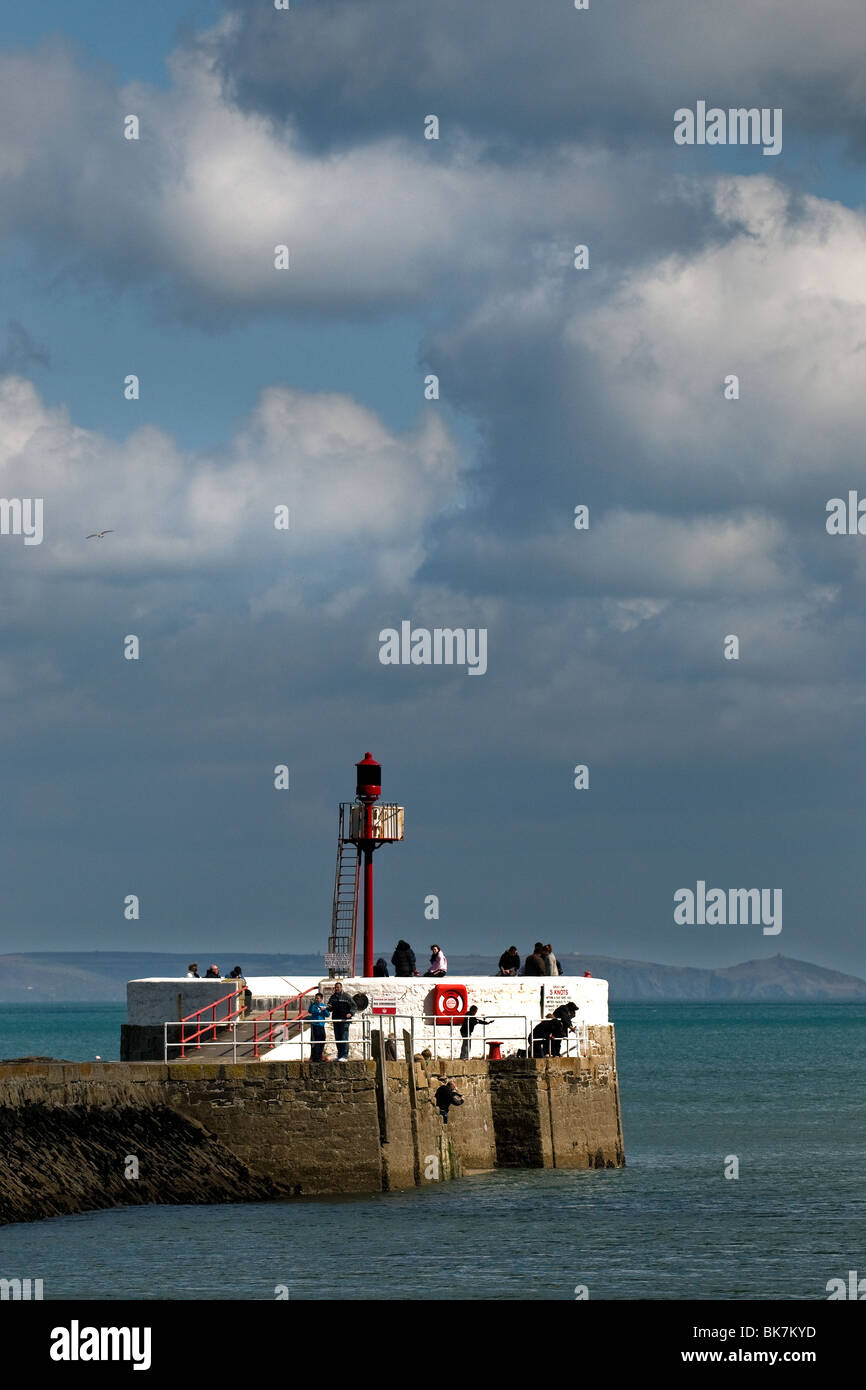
(368, 785)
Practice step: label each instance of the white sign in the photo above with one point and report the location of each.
(554, 995)
(335, 960)
(385, 1004)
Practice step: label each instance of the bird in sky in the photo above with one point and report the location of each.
(97, 535)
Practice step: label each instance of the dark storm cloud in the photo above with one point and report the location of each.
(346, 70)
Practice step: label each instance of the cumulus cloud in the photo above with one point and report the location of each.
(197, 205)
(353, 489)
(618, 398)
(780, 305)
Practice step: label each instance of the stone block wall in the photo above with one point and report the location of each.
(559, 1112)
(258, 1130)
(314, 1129)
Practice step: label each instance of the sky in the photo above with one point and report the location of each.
(559, 387)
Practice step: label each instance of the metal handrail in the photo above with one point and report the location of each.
(214, 1021)
(269, 1015)
(367, 1021)
(212, 1005)
(439, 1022)
(579, 1040)
(196, 1038)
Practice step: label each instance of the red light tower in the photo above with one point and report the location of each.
(364, 826)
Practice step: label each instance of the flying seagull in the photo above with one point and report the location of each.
(97, 535)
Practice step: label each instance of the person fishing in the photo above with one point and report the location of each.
(342, 1008)
(565, 1014)
(467, 1028)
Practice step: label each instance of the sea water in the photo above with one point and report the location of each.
(70, 1032)
(778, 1087)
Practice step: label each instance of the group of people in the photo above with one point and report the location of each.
(545, 1040)
(340, 1009)
(406, 966)
(542, 961)
(547, 1036)
(213, 972)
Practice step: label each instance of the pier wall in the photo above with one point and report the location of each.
(514, 1004)
(205, 1132)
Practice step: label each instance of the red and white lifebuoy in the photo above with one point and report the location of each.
(450, 1002)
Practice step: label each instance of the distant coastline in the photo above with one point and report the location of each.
(100, 976)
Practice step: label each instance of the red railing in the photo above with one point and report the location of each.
(271, 1022)
(268, 1021)
(214, 1021)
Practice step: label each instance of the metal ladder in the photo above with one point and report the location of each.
(344, 918)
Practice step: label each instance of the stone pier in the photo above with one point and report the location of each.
(204, 1132)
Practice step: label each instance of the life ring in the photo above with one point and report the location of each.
(449, 1002)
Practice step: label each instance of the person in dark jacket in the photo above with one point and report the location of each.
(380, 969)
(467, 1028)
(509, 961)
(403, 961)
(318, 1013)
(240, 983)
(542, 1035)
(565, 1013)
(342, 1008)
(534, 964)
(446, 1096)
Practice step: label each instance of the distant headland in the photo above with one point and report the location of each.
(101, 976)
